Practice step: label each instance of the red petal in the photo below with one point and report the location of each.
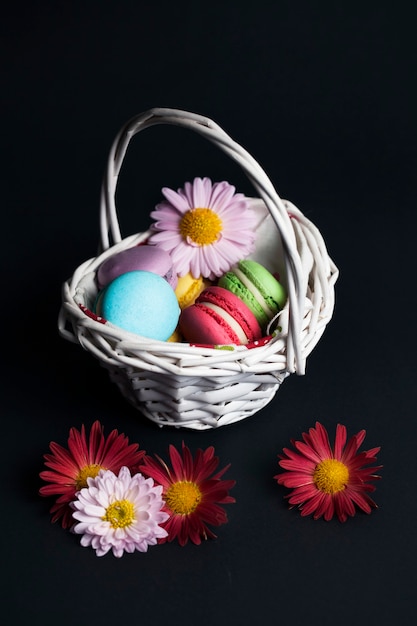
(307, 451)
(353, 446)
(340, 441)
(177, 464)
(320, 440)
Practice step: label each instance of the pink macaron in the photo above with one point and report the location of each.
(219, 317)
(143, 257)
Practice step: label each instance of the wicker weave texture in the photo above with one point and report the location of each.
(180, 385)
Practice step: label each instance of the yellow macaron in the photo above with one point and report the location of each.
(189, 288)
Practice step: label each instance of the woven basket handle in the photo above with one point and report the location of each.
(210, 130)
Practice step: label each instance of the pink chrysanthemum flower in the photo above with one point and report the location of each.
(326, 481)
(120, 513)
(70, 468)
(205, 227)
(192, 493)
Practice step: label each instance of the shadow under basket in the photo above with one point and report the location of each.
(188, 386)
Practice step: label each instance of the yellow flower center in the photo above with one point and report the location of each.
(88, 471)
(202, 226)
(331, 476)
(183, 497)
(120, 514)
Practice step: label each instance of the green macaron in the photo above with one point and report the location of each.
(257, 287)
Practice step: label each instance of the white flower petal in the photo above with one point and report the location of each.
(100, 534)
(94, 510)
(80, 528)
(86, 541)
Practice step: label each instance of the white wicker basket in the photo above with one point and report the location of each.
(176, 384)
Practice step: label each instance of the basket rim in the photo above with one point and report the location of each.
(90, 331)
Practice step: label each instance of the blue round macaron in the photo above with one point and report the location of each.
(142, 303)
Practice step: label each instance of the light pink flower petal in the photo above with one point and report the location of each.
(201, 193)
(86, 541)
(168, 236)
(166, 210)
(166, 224)
(212, 260)
(178, 201)
(221, 195)
(181, 258)
(188, 194)
(238, 209)
(198, 267)
(94, 510)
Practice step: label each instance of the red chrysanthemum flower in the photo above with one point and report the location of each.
(192, 493)
(326, 481)
(85, 457)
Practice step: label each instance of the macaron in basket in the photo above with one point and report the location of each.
(152, 291)
(200, 340)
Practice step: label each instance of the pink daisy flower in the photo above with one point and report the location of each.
(328, 481)
(205, 227)
(192, 493)
(69, 468)
(120, 513)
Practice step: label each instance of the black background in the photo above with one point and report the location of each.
(322, 95)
